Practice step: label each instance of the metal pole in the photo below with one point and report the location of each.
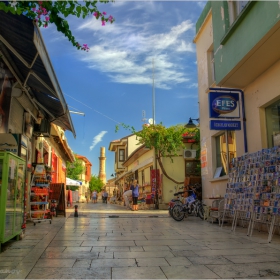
(154, 104)
(154, 117)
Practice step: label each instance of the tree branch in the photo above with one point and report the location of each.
(165, 173)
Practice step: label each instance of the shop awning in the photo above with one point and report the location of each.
(124, 175)
(71, 182)
(24, 52)
(143, 164)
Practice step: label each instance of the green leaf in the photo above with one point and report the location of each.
(79, 9)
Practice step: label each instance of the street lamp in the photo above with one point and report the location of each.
(190, 124)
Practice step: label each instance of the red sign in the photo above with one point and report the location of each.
(155, 180)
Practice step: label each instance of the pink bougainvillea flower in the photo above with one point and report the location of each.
(110, 19)
(103, 22)
(104, 13)
(47, 18)
(95, 14)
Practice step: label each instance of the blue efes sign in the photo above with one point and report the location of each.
(224, 105)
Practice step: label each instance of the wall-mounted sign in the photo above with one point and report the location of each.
(224, 105)
(225, 125)
(155, 180)
(9, 142)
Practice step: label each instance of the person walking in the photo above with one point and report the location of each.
(135, 193)
(87, 197)
(94, 196)
(105, 196)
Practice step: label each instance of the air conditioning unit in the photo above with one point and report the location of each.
(42, 129)
(188, 154)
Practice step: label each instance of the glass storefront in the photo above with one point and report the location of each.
(272, 113)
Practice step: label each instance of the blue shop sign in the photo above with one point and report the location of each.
(224, 105)
(225, 125)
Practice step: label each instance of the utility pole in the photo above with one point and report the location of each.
(156, 152)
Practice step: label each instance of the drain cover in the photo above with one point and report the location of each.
(114, 216)
(153, 216)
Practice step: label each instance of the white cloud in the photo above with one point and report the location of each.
(201, 4)
(194, 85)
(185, 47)
(127, 50)
(97, 139)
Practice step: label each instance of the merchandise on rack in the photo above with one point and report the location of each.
(253, 190)
(39, 194)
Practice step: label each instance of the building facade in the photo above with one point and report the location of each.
(237, 52)
(140, 164)
(84, 177)
(33, 111)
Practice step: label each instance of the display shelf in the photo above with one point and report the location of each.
(39, 194)
(253, 190)
(39, 203)
(12, 178)
(42, 185)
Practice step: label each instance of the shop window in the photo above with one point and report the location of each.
(272, 114)
(235, 8)
(192, 168)
(121, 154)
(225, 152)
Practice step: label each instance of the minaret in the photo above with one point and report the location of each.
(102, 160)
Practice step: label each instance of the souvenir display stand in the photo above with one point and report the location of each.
(58, 193)
(12, 178)
(39, 194)
(253, 190)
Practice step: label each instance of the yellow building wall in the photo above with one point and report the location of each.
(175, 170)
(132, 144)
(258, 95)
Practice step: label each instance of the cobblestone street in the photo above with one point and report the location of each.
(110, 242)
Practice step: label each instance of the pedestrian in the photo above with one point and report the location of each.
(126, 195)
(135, 193)
(87, 197)
(105, 196)
(94, 196)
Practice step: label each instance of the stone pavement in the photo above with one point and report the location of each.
(110, 242)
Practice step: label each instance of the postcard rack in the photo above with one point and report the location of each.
(253, 190)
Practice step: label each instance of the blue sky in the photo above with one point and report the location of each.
(112, 83)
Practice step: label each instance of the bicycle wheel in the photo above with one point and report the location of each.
(177, 213)
(200, 212)
(176, 202)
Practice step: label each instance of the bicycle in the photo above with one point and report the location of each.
(192, 206)
(174, 201)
